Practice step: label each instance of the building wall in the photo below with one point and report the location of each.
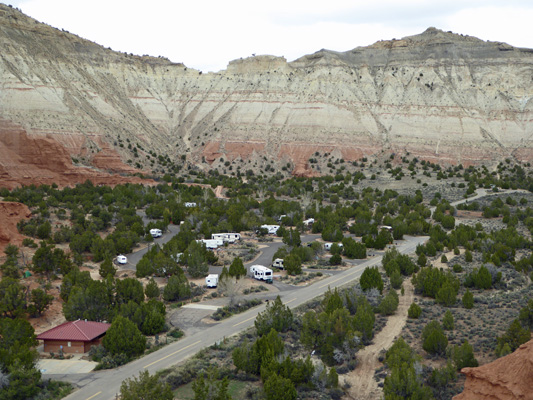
(55, 345)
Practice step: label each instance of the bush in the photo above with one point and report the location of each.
(457, 268)
(447, 321)
(389, 304)
(468, 300)
(434, 339)
(463, 356)
(371, 278)
(123, 337)
(414, 311)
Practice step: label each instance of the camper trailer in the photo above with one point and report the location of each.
(211, 280)
(262, 273)
(309, 221)
(155, 233)
(327, 246)
(211, 244)
(272, 229)
(122, 259)
(190, 204)
(227, 237)
(177, 257)
(278, 263)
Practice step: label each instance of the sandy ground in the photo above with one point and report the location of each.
(361, 380)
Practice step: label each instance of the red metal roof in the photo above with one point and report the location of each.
(79, 330)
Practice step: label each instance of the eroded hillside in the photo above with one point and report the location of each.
(439, 96)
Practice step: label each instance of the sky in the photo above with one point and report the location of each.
(207, 34)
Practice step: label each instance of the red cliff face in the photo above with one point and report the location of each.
(26, 160)
(508, 378)
(10, 214)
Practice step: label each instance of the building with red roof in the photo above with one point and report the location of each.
(74, 336)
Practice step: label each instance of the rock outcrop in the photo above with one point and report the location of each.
(439, 96)
(10, 214)
(508, 378)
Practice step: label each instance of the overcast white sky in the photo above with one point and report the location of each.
(207, 34)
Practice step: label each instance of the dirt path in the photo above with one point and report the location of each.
(363, 385)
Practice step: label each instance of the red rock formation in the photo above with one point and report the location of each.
(509, 377)
(26, 160)
(10, 214)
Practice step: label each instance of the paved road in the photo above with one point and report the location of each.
(105, 384)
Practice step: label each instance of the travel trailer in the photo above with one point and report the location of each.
(211, 244)
(190, 204)
(327, 246)
(211, 280)
(278, 263)
(227, 237)
(272, 229)
(156, 233)
(261, 273)
(309, 221)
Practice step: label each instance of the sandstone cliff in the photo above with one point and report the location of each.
(510, 377)
(437, 95)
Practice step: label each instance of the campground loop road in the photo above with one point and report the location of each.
(105, 384)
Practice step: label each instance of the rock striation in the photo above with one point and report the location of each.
(437, 95)
(507, 378)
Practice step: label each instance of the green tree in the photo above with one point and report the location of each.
(12, 298)
(389, 303)
(371, 278)
(123, 337)
(526, 315)
(514, 336)
(468, 300)
(210, 387)
(237, 269)
(276, 316)
(414, 311)
(24, 383)
(107, 268)
(152, 289)
(145, 387)
(352, 249)
(196, 260)
(292, 238)
(40, 301)
(277, 388)
(463, 356)
(447, 321)
(17, 344)
(129, 289)
(434, 339)
(177, 288)
(446, 295)
(293, 264)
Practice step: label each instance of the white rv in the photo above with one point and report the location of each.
(226, 237)
(177, 257)
(262, 273)
(211, 244)
(327, 246)
(272, 229)
(122, 259)
(278, 263)
(211, 280)
(156, 233)
(190, 204)
(309, 221)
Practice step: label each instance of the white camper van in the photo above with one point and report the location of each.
(278, 263)
(262, 273)
(122, 259)
(156, 233)
(211, 280)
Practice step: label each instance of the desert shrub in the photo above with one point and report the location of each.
(414, 311)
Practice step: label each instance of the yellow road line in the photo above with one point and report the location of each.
(93, 396)
(287, 302)
(327, 284)
(171, 354)
(246, 320)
